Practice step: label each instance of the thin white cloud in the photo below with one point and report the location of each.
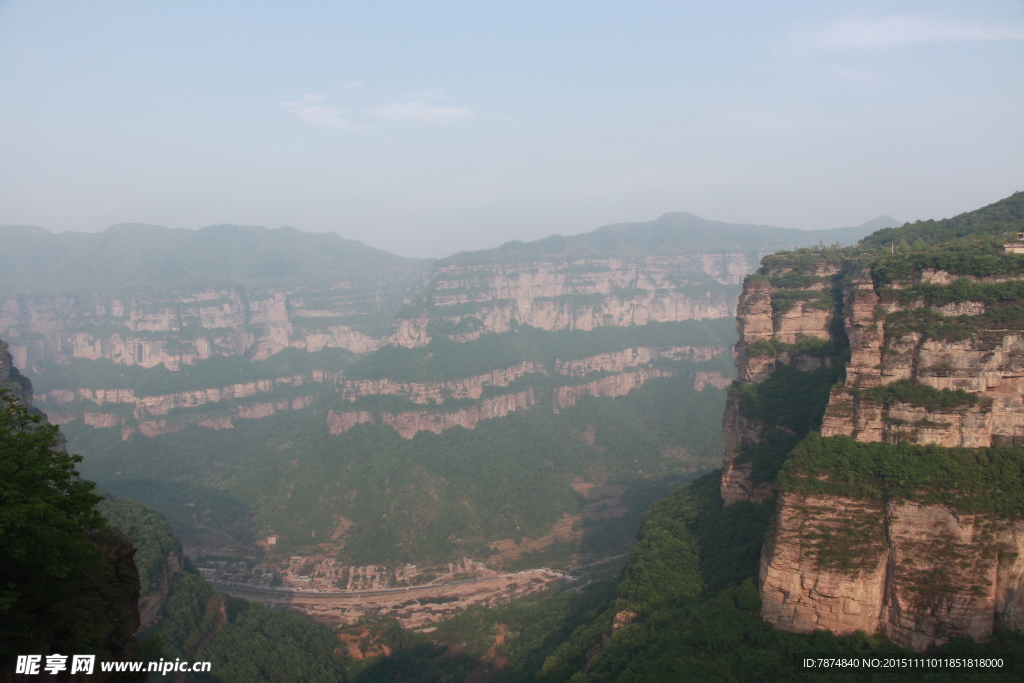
(899, 31)
(429, 94)
(422, 111)
(352, 85)
(312, 110)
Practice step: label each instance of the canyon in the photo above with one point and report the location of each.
(161, 414)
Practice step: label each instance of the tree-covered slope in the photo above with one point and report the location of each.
(1006, 215)
(67, 582)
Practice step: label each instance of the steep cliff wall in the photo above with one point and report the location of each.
(181, 328)
(900, 517)
(410, 423)
(887, 347)
(636, 361)
(784, 317)
(219, 407)
(920, 574)
(11, 380)
(465, 300)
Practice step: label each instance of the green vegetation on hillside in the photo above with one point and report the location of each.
(1006, 215)
(428, 497)
(672, 233)
(66, 579)
(983, 480)
(790, 404)
(213, 372)
(444, 359)
(699, 619)
(911, 392)
(245, 642)
(148, 531)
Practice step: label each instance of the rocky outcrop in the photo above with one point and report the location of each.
(153, 601)
(613, 385)
(737, 476)
(575, 294)
(149, 406)
(11, 380)
(437, 392)
(167, 413)
(989, 366)
(920, 574)
(715, 379)
(631, 358)
(775, 321)
(181, 329)
(246, 411)
(408, 424)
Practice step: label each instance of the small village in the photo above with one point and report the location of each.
(326, 575)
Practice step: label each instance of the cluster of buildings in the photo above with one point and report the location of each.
(240, 572)
(326, 574)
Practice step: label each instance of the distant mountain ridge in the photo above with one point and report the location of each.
(672, 233)
(137, 255)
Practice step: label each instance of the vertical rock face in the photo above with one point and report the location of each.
(465, 300)
(182, 328)
(781, 312)
(919, 573)
(11, 380)
(798, 592)
(988, 365)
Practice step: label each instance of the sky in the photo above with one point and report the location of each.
(426, 128)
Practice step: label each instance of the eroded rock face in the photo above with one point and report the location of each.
(582, 294)
(139, 329)
(613, 385)
(154, 415)
(152, 602)
(990, 366)
(13, 381)
(770, 323)
(920, 574)
(410, 423)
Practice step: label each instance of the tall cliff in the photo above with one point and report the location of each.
(900, 498)
(787, 355)
(11, 380)
(467, 299)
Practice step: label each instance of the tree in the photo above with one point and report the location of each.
(49, 527)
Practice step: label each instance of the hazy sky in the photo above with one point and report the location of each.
(429, 127)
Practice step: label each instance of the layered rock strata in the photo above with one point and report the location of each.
(989, 365)
(775, 323)
(181, 329)
(618, 384)
(918, 573)
(578, 294)
(162, 414)
(410, 423)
